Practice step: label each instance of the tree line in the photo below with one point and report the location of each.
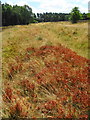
(14, 15)
(52, 17)
(22, 15)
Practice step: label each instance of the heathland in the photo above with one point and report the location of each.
(45, 70)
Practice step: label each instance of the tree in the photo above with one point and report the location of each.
(16, 15)
(84, 16)
(75, 15)
(6, 13)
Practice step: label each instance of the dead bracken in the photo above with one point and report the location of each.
(50, 80)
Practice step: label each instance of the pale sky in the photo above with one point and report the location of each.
(59, 6)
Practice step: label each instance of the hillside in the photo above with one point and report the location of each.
(45, 71)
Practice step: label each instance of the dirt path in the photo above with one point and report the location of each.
(76, 25)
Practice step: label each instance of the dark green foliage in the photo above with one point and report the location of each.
(16, 15)
(75, 15)
(52, 17)
(84, 16)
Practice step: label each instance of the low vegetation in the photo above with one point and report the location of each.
(42, 75)
(17, 38)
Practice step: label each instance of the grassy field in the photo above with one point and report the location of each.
(45, 70)
(18, 38)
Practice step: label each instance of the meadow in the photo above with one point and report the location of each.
(45, 70)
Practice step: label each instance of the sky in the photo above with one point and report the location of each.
(59, 6)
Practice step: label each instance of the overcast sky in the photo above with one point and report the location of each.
(40, 6)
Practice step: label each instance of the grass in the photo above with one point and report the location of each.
(40, 34)
(45, 70)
